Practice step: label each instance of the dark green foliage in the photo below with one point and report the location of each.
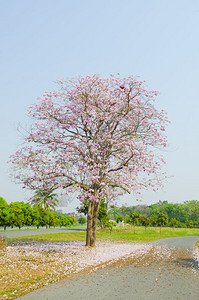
(3, 203)
(190, 223)
(28, 214)
(19, 217)
(103, 216)
(53, 219)
(133, 218)
(36, 217)
(173, 223)
(178, 214)
(65, 220)
(162, 220)
(71, 220)
(114, 212)
(82, 220)
(22, 214)
(145, 221)
(119, 219)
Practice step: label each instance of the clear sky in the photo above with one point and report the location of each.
(45, 40)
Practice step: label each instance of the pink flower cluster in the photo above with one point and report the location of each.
(95, 136)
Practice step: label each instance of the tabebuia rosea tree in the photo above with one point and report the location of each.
(94, 135)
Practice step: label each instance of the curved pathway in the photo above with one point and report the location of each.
(169, 272)
(183, 242)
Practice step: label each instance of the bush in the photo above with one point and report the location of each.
(119, 219)
(82, 220)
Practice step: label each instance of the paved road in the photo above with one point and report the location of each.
(187, 242)
(11, 233)
(176, 278)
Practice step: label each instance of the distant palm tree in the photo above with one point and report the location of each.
(45, 198)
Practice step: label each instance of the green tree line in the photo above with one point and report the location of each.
(161, 213)
(20, 214)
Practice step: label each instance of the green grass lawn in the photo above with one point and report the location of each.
(42, 228)
(118, 234)
(52, 237)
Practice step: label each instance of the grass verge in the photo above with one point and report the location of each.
(118, 234)
(143, 235)
(43, 228)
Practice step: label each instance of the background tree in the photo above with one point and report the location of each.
(37, 219)
(3, 203)
(133, 219)
(143, 210)
(173, 223)
(193, 210)
(61, 220)
(44, 217)
(19, 218)
(45, 198)
(103, 216)
(65, 220)
(6, 214)
(3, 209)
(114, 211)
(95, 136)
(28, 214)
(162, 219)
(53, 219)
(126, 210)
(145, 221)
(71, 220)
(190, 223)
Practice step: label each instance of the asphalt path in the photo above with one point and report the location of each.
(182, 242)
(176, 278)
(12, 233)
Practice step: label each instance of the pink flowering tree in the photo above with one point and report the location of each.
(97, 136)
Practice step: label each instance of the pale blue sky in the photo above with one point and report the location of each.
(42, 41)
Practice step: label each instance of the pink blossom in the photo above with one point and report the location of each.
(94, 135)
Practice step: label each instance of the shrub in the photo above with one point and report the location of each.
(119, 219)
(82, 220)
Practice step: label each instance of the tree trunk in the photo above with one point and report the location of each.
(4, 227)
(89, 225)
(94, 224)
(93, 209)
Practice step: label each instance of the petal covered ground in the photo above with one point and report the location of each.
(26, 267)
